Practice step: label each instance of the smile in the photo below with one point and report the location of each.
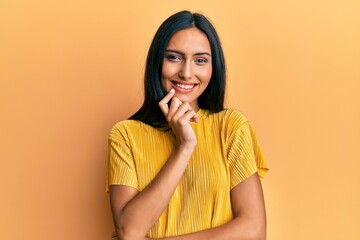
(184, 88)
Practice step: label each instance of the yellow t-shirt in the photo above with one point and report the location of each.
(227, 152)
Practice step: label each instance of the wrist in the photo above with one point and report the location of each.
(186, 148)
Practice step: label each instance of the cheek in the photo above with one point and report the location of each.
(205, 74)
(168, 70)
(164, 70)
(165, 75)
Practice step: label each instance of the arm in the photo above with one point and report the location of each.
(135, 212)
(249, 221)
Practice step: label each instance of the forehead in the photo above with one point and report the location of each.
(190, 40)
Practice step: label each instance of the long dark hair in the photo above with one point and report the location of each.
(213, 96)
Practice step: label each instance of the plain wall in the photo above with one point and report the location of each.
(69, 70)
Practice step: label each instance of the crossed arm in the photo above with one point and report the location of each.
(135, 212)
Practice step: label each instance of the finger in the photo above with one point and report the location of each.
(174, 106)
(163, 104)
(188, 116)
(195, 118)
(182, 108)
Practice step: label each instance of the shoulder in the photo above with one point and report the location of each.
(234, 115)
(124, 128)
(124, 124)
(228, 121)
(230, 117)
(133, 129)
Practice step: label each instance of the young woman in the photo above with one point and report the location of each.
(183, 167)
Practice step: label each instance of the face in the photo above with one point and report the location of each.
(187, 66)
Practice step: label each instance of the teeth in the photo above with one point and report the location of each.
(183, 86)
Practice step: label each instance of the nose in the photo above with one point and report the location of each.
(185, 72)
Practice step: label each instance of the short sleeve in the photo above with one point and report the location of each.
(244, 155)
(121, 165)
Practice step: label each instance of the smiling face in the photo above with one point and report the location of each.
(187, 65)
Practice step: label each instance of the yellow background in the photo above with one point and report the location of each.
(70, 69)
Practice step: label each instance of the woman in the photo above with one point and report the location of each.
(183, 167)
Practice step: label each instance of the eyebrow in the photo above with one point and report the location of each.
(181, 53)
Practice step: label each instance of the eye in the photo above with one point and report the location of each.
(173, 58)
(201, 61)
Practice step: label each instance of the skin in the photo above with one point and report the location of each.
(188, 61)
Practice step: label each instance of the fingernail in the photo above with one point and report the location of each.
(172, 90)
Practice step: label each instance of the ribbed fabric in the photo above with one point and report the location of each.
(227, 152)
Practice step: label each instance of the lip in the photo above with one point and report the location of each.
(181, 90)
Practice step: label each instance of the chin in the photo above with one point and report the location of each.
(181, 97)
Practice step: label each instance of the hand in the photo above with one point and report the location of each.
(179, 116)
